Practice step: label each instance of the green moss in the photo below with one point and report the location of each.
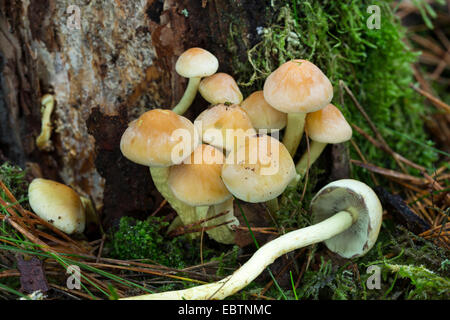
(427, 284)
(14, 179)
(330, 282)
(375, 64)
(143, 240)
(294, 209)
(227, 261)
(409, 253)
(415, 269)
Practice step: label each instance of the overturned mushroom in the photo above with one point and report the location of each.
(325, 126)
(194, 64)
(349, 197)
(348, 217)
(297, 87)
(58, 204)
(220, 88)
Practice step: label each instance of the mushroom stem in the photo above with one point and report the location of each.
(43, 140)
(223, 233)
(91, 213)
(263, 257)
(187, 213)
(188, 96)
(308, 158)
(201, 213)
(294, 131)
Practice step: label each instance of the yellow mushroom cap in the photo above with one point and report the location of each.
(258, 170)
(328, 125)
(262, 114)
(220, 88)
(298, 86)
(197, 180)
(159, 138)
(58, 204)
(196, 62)
(224, 126)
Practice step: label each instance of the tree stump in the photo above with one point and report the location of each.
(106, 62)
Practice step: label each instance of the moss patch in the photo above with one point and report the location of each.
(374, 63)
(408, 271)
(136, 239)
(14, 179)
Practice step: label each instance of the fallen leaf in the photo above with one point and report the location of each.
(32, 275)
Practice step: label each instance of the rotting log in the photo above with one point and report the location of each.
(118, 62)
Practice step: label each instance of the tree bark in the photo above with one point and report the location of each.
(119, 63)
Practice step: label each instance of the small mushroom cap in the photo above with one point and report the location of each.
(258, 170)
(197, 180)
(298, 86)
(224, 127)
(262, 114)
(58, 204)
(159, 138)
(196, 62)
(328, 125)
(220, 88)
(352, 196)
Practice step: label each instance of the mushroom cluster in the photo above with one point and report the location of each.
(232, 153)
(231, 150)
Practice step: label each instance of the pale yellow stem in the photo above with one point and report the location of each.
(43, 140)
